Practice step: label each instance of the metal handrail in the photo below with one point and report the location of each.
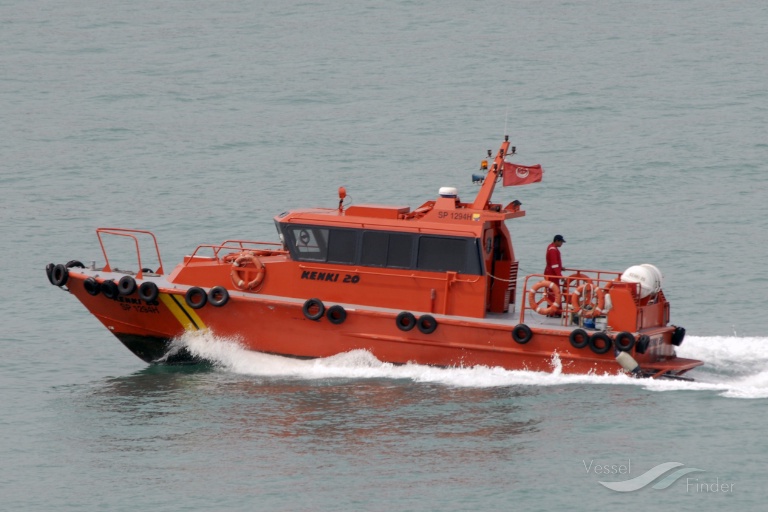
(234, 245)
(129, 233)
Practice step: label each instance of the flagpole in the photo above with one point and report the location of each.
(506, 117)
(494, 172)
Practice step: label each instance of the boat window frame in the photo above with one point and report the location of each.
(472, 258)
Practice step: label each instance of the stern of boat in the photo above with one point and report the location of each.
(603, 312)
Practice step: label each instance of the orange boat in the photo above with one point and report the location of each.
(436, 285)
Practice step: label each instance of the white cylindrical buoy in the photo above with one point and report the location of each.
(628, 363)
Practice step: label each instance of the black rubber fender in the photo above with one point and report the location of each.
(678, 336)
(49, 272)
(313, 309)
(218, 296)
(624, 341)
(148, 291)
(109, 289)
(126, 285)
(196, 297)
(336, 314)
(642, 343)
(600, 343)
(74, 263)
(522, 334)
(405, 321)
(59, 275)
(579, 338)
(426, 324)
(92, 286)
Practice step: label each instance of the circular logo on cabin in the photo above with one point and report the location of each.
(521, 172)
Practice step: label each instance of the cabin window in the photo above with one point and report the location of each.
(382, 249)
(400, 251)
(342, 246)
(375, 247)
(309, 244)
(442, 254)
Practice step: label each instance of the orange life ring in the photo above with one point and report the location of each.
(554, 303)
(243, 267)
(597, 306)
(583, 296)
(602, 295)
(576, 280)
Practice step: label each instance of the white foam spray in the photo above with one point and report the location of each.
(734, 367)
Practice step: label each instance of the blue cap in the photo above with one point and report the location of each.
(559, 238)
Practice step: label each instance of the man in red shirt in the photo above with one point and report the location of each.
(554, 268)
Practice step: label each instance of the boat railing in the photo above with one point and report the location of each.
(133, 234)
(237, 246)
(572, 280)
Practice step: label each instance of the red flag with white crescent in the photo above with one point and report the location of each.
(521, 175)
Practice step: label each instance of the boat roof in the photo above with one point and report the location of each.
(434, 216)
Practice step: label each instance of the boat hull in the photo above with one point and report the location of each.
(287, 326)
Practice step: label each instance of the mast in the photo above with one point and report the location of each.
(494, 172)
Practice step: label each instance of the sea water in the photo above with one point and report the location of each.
(202, 121)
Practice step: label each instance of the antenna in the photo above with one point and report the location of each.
(506, 116)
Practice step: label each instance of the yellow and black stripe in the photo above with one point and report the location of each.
(186, 316)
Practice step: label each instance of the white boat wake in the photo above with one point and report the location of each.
(734, 367)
